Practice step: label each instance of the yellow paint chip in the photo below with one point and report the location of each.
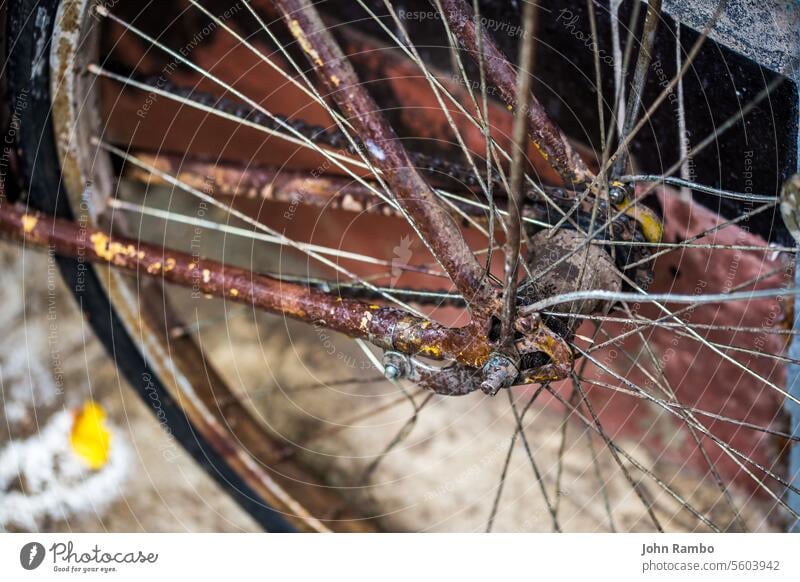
(432, 351)
(90, 439)
(100, 242)
(112, 251)
(297, 32)
(29, 222)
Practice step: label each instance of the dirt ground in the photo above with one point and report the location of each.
(50, 360)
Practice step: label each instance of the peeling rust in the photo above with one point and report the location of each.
(387, 327)
(545, 134)
(435, 226)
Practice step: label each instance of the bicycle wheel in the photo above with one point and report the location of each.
(208, 130)
(147, 372)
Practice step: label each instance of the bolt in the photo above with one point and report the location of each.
(394, 365)
(617, 193)
(391, 372)
(499, 372)
(529, 323)
(491, 385)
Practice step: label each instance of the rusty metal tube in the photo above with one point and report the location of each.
(544, 132)
(386, 152)
(386, 327)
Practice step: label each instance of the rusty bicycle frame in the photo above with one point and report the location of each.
(483, 358)
(393, 329)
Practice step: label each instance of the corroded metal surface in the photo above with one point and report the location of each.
(586, 268)
(387, 327)
(547, 136)
(251, 181)
(236, 180)
(386, 152)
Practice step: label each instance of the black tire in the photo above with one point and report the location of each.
(29, 29)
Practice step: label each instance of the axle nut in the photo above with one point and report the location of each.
(394, 366)
(499, 372)
(391, 372)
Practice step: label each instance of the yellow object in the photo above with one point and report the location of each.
(652, 229)
(29, 223)
(90, 439)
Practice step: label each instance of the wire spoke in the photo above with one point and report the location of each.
(500, 190)
(504, 471)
